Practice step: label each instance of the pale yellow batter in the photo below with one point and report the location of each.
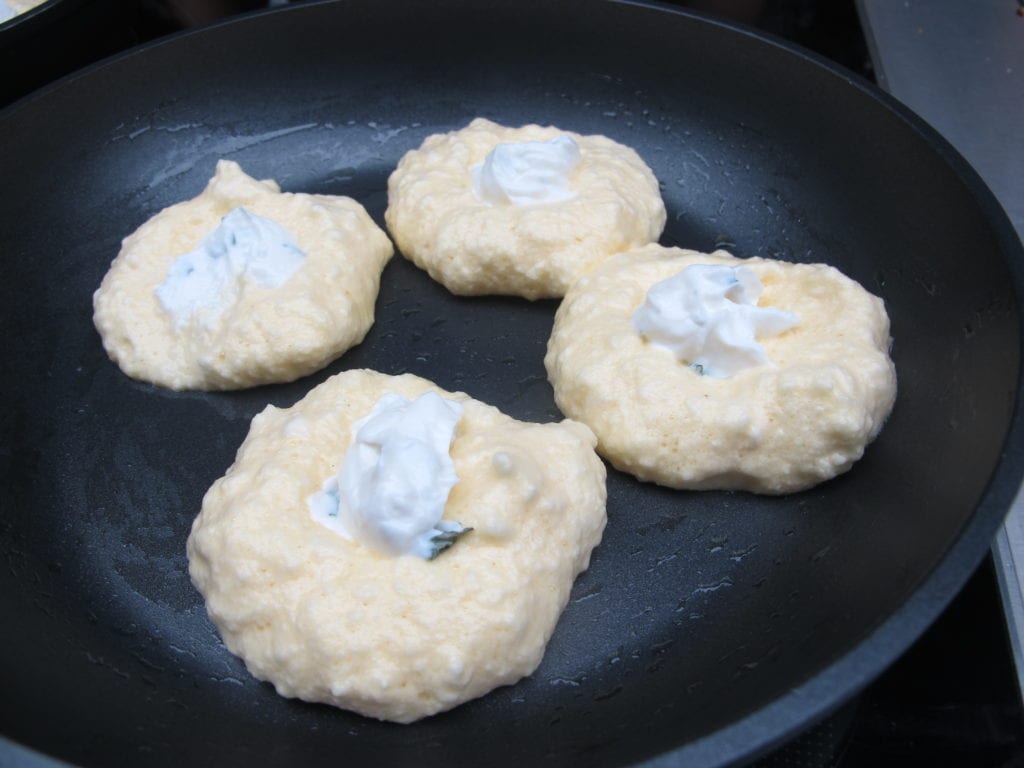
(396, 637)
(768, 429)
(535, 251)
(268, 334)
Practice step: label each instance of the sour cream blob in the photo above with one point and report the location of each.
(393, 485)
(209, 279)
(527, 172)
(707, 316)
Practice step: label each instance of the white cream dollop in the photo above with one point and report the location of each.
(209, 279)
(527, 172)
(707, 316)
(391, 490)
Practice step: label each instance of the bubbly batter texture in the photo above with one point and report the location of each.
(534, 250)
(769, 429)
(264, 334)
(396, 637)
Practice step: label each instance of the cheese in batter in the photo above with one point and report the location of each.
(392, 635)
(240, 286)
(802, 416)
(519, 211)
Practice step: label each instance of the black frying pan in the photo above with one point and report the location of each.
(60, 36)
(710, 625)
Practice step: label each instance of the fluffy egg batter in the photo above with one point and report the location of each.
(536, 237)
(802, 418)
(240, 286)
(396, 637)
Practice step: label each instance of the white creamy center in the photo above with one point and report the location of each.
(394, 483)
(527, 172)
(209, 279)
(707, 316)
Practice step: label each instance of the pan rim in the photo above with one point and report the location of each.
(35, 19)
(814, 699)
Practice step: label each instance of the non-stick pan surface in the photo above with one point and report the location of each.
(710, 625)
(57, 37)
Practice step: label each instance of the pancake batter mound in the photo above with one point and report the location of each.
(267, 323)
(396, 637)
(774, 428)
(464, 232)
